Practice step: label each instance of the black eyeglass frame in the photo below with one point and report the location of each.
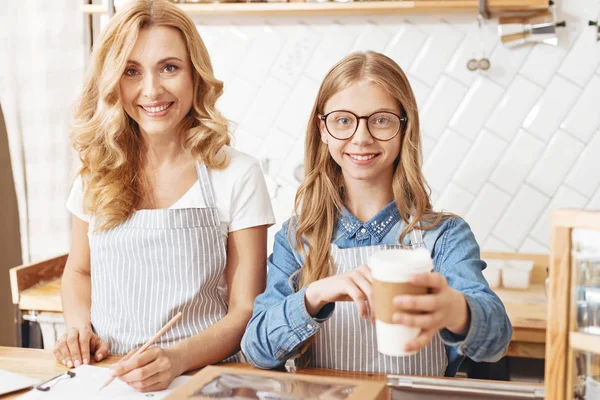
(365, 117)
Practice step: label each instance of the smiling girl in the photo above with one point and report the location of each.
(364, 191)
(166, 216)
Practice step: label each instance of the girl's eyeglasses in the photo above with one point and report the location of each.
(382, 125)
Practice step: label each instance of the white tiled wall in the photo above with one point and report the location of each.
(502, 148)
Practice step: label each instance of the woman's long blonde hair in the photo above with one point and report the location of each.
(319, 201)
(110, 147)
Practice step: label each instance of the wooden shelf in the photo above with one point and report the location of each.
(360, 8)
(584, 342)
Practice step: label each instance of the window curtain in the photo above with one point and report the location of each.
(43, 55)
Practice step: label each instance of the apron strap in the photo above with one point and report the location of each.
(205, 187)
(417, 238)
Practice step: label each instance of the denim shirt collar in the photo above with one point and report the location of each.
(378, 226)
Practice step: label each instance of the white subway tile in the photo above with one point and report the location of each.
(267, 102)
(477, 44)
(245, 140)
(292, 161)
(237, 96)
(299, 46)
(427, 23)
(505, 62)
(440, 106)
(334, 46)
(434, 196)
(405, 45)
(229, 51)
(444, 160)
(210, 35)
(435, 53)
(509, 113)
(520, 156)
(544, 60)
(583, 58)
(531, 246)
(427, 146)
(479, 161)
(555, 162)
(420, 90)
(594, 203)
(495, 245)
(475, 108)
(487, 209)
(262, 54)
(564, 198)
(545, 116)
(454, 199)
(584, 118)
(577, 11)
(275, 147)
(584, 176)
(294, 115)
(523, 211)
(373, 38)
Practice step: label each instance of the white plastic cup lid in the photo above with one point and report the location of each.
(398, 265)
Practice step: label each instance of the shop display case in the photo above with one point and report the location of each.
(573, 333)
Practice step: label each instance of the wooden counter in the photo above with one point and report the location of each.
(41, 364)
(526, 310)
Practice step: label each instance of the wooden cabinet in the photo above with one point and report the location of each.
(572, 342)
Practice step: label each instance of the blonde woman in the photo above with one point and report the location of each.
(364, 190)
(166, 216)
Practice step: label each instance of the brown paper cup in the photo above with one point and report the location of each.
(384, 292)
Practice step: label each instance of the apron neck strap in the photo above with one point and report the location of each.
(205, 186)
(417, 237)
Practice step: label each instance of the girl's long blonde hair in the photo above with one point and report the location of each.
(319, 201)
(110, 147)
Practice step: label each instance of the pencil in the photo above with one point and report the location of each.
(158, 334)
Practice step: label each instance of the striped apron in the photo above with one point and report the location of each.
(153, 265)
(348, 342)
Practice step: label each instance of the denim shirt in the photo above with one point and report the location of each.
(280, 323)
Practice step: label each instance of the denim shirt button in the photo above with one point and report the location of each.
(362, 230)
(309, 327)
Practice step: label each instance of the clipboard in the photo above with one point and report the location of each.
(11, 382)
(83, 383)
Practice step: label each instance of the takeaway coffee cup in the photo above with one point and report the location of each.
(392, 270)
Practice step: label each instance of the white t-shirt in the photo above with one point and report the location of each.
(239, 190)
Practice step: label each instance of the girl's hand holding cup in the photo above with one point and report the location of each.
(441, 308)
(355, 286)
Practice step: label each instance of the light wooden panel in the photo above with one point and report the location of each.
(26, 276)
(562, 339)
(584, 342)
(558, 311)
(576, 219)
(358, 8)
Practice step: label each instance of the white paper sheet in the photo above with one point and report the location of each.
(89, 379)
(10, 382)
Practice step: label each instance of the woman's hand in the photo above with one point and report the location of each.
(353, 286)
(150, 371)
(78, 346)
(443, 308)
